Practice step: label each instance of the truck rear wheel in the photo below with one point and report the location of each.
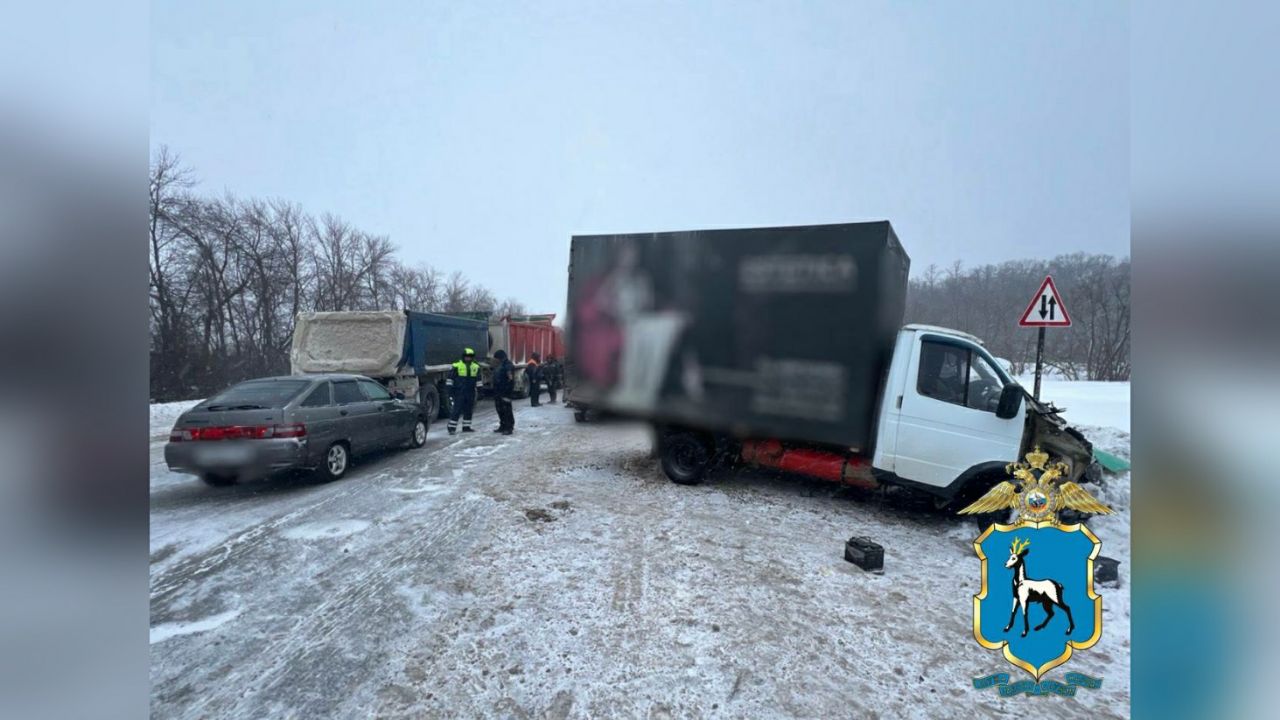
(684, 457)
(429, 398)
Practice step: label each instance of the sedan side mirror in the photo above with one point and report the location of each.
(1010, 401)
(398, 395)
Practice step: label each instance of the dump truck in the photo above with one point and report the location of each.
(409, 352)
(784, 348)
(520, 337)
(412, 352)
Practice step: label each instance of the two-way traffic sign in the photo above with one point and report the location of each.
(1046, 308)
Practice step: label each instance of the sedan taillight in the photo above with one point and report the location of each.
(239, 432)
(292, 430)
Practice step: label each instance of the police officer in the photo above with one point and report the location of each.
(463, 378)
(504, 384)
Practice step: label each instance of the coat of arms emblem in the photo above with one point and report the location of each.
(1037, 602)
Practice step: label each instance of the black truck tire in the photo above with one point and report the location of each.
(685, 458)
(429, 399)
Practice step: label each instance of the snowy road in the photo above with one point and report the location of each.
(557, 573)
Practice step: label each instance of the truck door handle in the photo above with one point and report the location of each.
(899, 402)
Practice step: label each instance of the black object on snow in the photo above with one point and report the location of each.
(1106, 570)
(864, 553)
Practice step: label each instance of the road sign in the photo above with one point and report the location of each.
(1046, 308)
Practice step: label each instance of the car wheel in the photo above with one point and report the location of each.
(580, 415)
(419, 436)
(429, 398)
(218, 480)
(335, 462)
(684, 458)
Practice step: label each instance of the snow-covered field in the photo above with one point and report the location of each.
(1099, 404)
(557, 573)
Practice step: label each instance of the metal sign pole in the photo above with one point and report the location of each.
(1039, 361)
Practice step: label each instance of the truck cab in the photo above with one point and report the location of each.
(951, 415)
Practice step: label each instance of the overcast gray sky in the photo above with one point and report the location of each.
(481, 136)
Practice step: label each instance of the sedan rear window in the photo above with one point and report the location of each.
(256, 394)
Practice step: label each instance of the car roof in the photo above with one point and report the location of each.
(311, 376)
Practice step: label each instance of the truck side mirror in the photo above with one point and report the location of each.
(1010, 401)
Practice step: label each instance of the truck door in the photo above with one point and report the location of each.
(948, 421)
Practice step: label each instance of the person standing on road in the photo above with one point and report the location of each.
(504, 384)
(533, 377)
(462, 380)
(552, 372)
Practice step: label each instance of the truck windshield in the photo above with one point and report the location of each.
(985, 384)
(256, 394)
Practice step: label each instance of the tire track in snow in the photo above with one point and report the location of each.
(326, 658)
(166, 585)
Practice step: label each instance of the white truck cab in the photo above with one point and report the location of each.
(940, 414)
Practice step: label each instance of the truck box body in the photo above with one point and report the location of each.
(522, 339)
(770, 332)
(380, 343)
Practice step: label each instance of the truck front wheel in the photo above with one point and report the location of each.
(685, 457)
(429, 398)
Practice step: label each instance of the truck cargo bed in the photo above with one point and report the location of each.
(381, 343)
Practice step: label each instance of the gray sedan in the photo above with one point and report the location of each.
(302, 421)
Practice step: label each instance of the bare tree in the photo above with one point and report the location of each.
(455, 294)
(986, 301)
(228, 278)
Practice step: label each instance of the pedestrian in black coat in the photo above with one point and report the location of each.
(533, 378)
(553, 373)
(504, 385)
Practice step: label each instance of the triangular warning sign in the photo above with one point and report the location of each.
(1046, 308)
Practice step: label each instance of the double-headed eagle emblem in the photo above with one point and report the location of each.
(1040, 497)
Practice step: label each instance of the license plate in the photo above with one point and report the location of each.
(225, 454)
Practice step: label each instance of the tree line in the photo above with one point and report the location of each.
(988, 300)
(228, 276)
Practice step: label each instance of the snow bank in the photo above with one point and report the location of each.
(164, 415)
(1104, 404)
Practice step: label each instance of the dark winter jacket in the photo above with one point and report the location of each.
(553, 373)
(533, 372)
(504, 382)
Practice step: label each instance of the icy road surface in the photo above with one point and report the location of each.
(557, 573)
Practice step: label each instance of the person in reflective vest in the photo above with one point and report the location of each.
(463, 379)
